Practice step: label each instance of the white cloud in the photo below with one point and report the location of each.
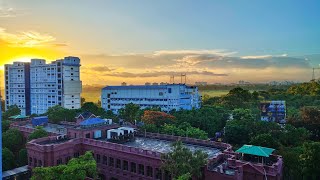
(25, 38)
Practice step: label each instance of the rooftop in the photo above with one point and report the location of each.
(142, 86)
(53, 128)
(255, 150)
(163, 146)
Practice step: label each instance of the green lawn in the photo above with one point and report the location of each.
(214, 93)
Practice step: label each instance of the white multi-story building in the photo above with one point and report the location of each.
(167, 97)
(35, 86)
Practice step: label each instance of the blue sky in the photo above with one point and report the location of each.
(241, 28)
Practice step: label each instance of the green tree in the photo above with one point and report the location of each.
(93, 108)
(83, 100)
(7, 159)
(310, 160)
(12, 111)
(292, 169)
(210, 119)
(236, 132)
(130, 112)
(58, 113)
(265, 140)
(184, 177)
(13, 140)
(181, 161)
(38, 133)
(23, 157)
(77, 168)
(243, 115)
(5, 125)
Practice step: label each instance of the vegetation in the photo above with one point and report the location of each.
(13, 140)
(130, 112)
(181, 161)
(38, 133)
(58, 113)
(12, 111)
(7, 159)
(77, 168)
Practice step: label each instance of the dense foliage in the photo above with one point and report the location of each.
(77, 168)
(12, 111)
(7, 159)
(38, 133)
(181, 161)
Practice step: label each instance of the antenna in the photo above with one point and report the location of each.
(172, 79)
(183, 78)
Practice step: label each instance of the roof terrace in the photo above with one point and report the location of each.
(164, 146)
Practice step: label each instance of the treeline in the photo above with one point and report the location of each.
(297, 141)
(14, 152)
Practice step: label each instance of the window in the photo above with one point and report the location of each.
(40, 163)
(76, 155)
(111, 161)
(68, 159)
(98, 158)
(105, 160)
(30, 161)
(125, 166)
(133, 167)
(118, 165)
(169, 90)
(158, 174)
(141, 169)
(149, 171)
(59, 161)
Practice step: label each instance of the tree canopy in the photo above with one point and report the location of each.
(7, 159)
(130, 112)
(11, 111)
(38, 133)
(58, 113)
(13, 140)
(77, 168)
(181, 161)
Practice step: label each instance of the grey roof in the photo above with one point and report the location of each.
(15, 171)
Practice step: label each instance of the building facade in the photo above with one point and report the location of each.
(140, 157)
(35, 86)
(167, 97)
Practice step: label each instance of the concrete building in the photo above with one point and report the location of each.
(167, 97)
(35, 86)
(140, 156)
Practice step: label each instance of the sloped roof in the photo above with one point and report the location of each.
(255, 150)
(18, 117)
(92, 121)
(85, 115)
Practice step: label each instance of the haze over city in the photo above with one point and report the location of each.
(144, 41)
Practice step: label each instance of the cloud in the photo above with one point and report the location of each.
(28, 39)
(7, 12)
(160, 73)
(204, 65)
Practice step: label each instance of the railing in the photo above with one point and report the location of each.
(122, 148)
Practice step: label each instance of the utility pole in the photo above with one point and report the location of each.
(172, 79)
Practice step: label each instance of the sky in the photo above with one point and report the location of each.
(148, 41)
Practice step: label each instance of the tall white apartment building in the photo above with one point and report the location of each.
(167, 97)
(35, 86)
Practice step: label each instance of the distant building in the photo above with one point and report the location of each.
(201, 83)
(35, 86)
(167, 97)
(273, 111)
